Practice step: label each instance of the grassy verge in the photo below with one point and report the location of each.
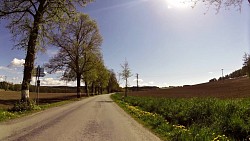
(6, 115)
(195, 119)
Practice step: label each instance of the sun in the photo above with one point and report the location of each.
(178, 3)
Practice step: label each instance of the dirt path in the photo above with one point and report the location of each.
(92, 119)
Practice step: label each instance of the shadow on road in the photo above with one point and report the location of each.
(106, 101)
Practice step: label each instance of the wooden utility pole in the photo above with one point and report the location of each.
(222, 75)
(137, 80)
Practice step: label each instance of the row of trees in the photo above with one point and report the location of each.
(55, 89)
(10, 86)
(79, 56)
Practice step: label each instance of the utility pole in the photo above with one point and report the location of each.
(222, 74)
(38, 83)
(137, 77)
(66, 86)
(6, 84)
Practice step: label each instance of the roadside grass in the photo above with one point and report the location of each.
(195, 119)
(7, 114)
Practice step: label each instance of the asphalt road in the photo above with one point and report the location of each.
(93, 119)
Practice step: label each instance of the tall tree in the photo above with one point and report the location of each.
(125, 74)
(91, 75)
(79, 42)
(113, 83)
(29, 22)
(103, 78)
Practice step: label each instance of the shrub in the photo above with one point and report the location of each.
(24, 106)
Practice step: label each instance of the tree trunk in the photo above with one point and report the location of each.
(108, 89)
(86, 88)
(92, 88)
(78, 79)
(31, 52)
(126, 88)
(96, 91)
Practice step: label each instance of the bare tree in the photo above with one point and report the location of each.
(29, 21)
(218, 4)
(79, 41)
(125, 74)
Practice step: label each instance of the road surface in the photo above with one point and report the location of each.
(92, 119)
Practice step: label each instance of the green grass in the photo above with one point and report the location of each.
(6, 115)
(198, 119)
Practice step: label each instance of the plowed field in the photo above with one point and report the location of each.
(232, 88)
(8, 98)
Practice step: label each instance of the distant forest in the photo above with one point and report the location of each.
(54, 89)
(43, 89)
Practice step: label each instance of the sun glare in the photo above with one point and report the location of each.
(178, 3)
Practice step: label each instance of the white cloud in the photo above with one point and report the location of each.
(210, 72)
(55, 82)
(52, 82)
(139, 80)
(5, 68)
(2, 77)
(17, 62)
(144, 84)
(15, 78)
(165, 85)
(151, 82)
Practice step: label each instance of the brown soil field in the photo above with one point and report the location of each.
(9, 98)
(232, 88)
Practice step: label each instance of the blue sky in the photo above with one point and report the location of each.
(167, 44)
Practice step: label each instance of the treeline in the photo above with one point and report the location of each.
(43, 89)
(10, 86)
(244, 71)
(143, 88)
(56, 89)
(111, 86)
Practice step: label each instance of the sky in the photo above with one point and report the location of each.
(166, 42)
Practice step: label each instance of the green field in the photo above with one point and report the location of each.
(201, 119)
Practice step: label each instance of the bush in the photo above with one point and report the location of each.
(24, 106)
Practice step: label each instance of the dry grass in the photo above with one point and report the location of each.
(233, 88)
